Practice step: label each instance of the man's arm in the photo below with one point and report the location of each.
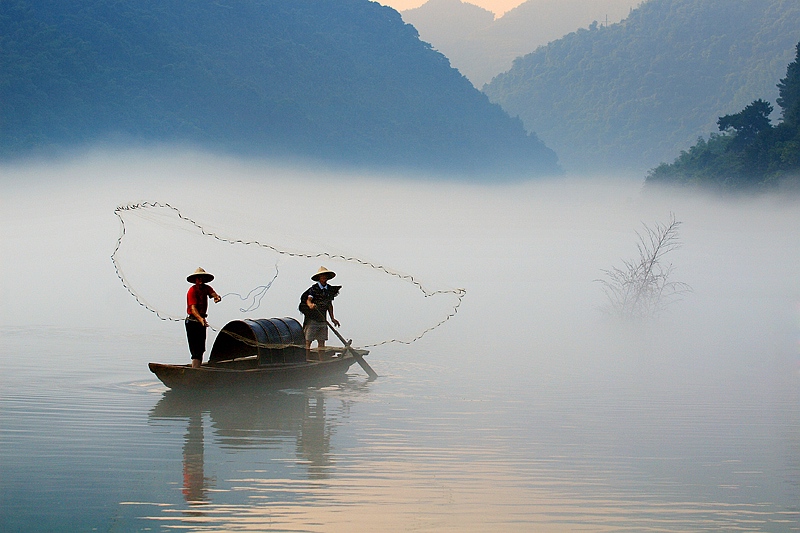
(330, 312)
(196, 314)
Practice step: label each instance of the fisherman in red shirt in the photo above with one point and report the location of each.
(196, 307)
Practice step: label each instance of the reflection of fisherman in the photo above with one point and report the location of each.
(196, 306)
(315, 303)
(195, 484)
(314, 441)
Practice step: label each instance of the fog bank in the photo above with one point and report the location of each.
(528, 256)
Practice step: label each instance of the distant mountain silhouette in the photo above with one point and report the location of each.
(629, 96)
(449, 21)
(343, 81)
(482, 47)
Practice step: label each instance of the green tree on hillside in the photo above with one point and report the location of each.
(789, 90)
(750, 153)
(786, 151)
(749, 123)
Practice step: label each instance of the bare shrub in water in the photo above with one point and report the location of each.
(642, 288)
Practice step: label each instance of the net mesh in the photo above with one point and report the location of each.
(258, 293)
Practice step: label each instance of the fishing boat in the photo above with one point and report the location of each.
(264, 353)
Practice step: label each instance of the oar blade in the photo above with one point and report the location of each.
(357, 356)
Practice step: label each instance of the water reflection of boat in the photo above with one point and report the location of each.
(242, 420)
(259, 353)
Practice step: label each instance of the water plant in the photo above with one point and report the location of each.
(643, 287)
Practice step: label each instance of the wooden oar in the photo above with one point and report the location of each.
(357, 356)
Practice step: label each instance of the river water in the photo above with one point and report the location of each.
(528, 410)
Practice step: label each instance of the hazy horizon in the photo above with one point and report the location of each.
(501, 7)
(498, 7)
(60, 228)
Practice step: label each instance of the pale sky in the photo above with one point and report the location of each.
(498, 7)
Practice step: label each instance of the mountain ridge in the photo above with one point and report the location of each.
(346, 82)
(629, 96)
(482, 48)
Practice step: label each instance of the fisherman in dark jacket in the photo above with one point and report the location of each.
(316, 304)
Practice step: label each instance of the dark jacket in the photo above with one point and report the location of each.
(322, 298)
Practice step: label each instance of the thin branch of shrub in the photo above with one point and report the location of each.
(643, 287)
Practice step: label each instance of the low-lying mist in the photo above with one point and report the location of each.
(528, 255)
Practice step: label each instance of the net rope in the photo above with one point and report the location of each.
(261, 290)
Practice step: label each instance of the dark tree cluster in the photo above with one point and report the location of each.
(749, 152)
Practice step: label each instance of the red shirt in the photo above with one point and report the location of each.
(198, 296)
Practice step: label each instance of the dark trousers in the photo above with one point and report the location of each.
(196, 334)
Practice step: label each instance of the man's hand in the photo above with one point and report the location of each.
(217, 298)
(335, 322)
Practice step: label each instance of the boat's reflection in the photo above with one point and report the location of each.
(253, 419)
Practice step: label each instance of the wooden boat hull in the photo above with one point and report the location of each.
(247, 373)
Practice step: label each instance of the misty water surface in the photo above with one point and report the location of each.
(529, 410)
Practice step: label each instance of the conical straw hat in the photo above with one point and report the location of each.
(199, 273)
(322, 270)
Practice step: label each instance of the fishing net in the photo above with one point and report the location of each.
(158, 244)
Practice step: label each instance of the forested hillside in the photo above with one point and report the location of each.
(750, 153)
(482, 47)
(345, 81)
(626, 97)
